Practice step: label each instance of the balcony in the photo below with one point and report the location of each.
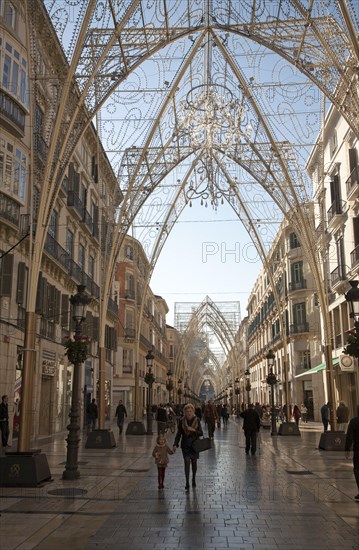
(337, 276)
(354, 256)
(9, 209)
(74, 201)
(58, 253)
(298, 328)
(351, 184)
(335, 212)
(41, 147)
(112, 306)
(298, 285)
(12, 115)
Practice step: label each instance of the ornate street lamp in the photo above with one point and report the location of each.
(352, 297)
(271, 381)
(149, 379)
(248, 386)
(77, 352)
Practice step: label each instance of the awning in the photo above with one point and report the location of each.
(322, 366)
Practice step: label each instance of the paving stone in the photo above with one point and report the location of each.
(239, 502)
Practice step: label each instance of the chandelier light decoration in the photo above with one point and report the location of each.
(211, 119)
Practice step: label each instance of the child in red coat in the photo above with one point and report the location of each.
(160, 453)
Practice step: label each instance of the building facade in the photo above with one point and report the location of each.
(77, 234)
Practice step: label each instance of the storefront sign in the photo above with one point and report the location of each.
(48, 368)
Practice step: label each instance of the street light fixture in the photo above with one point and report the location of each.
(149, 379)
(271, 381)
(352, 297)
(77, 350)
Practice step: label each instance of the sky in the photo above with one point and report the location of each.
(208, 253)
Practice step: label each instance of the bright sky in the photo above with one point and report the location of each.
(207, 253)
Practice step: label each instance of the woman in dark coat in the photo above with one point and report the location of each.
(189, 429)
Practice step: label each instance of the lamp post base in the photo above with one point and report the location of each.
(332, 441)
(135, 428)
(100, 439)
(289, 428)
(24, 469)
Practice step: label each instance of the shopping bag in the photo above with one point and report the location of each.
(202, 444)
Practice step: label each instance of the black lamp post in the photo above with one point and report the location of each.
(248, 386)
(352, 297)
(149, 379)
(76, 353)
(271, 381)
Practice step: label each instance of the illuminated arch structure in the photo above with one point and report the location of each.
(213, 325)
(146, 70)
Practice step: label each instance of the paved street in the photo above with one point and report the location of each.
(289, 496)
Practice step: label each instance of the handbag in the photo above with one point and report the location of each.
(202, 444)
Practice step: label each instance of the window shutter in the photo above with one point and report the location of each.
(95, 328)
(57, 305)
(65, 311)
(21, 284)
(7, 264)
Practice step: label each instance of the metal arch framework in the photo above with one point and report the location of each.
(111, 41)
(206, 314)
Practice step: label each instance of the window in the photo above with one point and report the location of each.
(81, 258)
(333, 143)
(53, 224)
(129, 252)
(340, 257)
(293, 241)
(297, 272)
(14, 72)
(299, 314)
(13, 169)
(304, 359)
(91, 267)
(69, 243)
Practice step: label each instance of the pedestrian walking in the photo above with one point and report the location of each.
(225, 415)
(4, 420)
(189, 429)
(251, 426)
(211, 416)
(342, 416)
(304, 413)
(296, 414)
(352, 442)
(160, 453)
(120, 414)
(92, 415)
(161, 419)
(325, 412)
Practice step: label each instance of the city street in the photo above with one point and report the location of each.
(289, 496)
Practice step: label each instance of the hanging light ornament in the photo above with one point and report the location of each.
(211, 119)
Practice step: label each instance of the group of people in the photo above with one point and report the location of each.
(342, 414)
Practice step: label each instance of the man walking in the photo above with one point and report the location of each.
(92, 414)
(325, 414)
(210, 416)
(120, 415)
(352, 441)
(4, 421)
(251, 426)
